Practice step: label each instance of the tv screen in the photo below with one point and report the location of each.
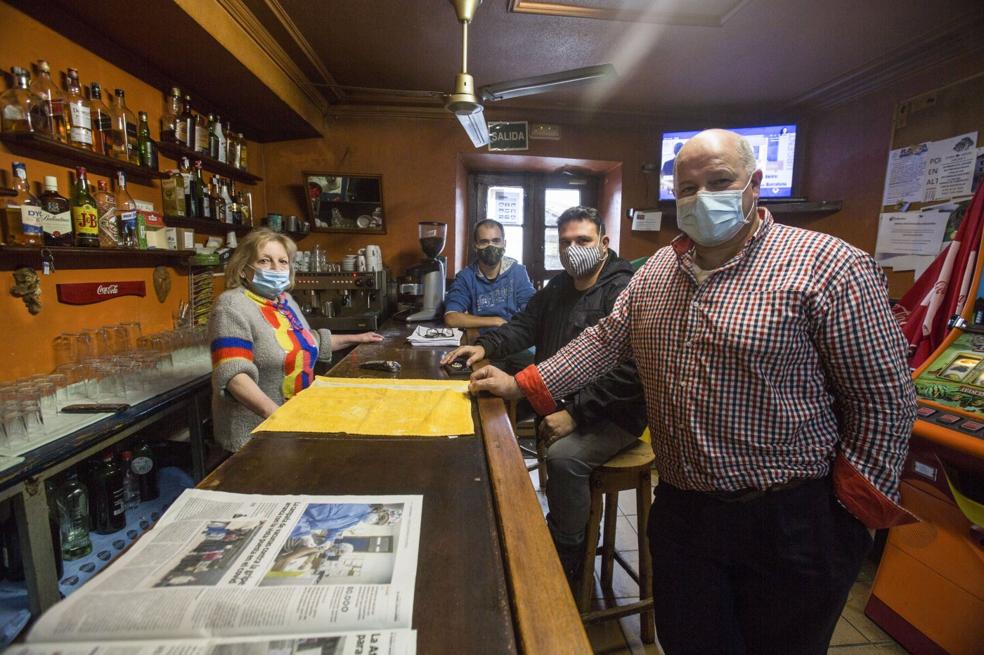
(775, 151)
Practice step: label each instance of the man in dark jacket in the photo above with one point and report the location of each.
(605, 417)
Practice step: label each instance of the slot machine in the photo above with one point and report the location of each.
(928, 592)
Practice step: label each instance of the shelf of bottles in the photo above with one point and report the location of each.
(35, 145)
(176, 151)
(4, 191)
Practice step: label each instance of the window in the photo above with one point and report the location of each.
(528, 206)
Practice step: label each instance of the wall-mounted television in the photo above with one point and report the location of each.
(775, 151)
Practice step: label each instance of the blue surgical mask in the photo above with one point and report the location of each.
(270, 284)
(712, 217)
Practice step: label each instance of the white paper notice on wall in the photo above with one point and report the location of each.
(647, 220)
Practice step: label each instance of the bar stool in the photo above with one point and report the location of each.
(630, 469)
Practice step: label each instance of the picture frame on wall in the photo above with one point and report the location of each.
(339, 202)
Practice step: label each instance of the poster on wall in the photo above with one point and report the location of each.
(931, 171)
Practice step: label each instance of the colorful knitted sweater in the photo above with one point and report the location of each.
(268, 340)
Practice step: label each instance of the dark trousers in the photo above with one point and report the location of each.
(770, 575)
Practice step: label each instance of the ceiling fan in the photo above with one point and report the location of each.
(464, 103)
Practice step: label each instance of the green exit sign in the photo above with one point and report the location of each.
(509, 135)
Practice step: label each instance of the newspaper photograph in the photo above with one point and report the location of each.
(383, 642)
(220, 564)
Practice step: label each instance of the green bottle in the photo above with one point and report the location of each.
(73, 518)
(146, 145)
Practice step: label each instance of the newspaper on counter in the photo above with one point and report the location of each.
(430, 336)
(224, 565)
(377, 642)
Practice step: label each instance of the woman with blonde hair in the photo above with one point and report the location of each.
(263, 350)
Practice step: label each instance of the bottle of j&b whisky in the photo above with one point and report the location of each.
(85, 214)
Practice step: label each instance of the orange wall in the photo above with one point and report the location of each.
(26, 346)
(418, 159)
(847, 153)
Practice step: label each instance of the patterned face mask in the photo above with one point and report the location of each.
(580, 261)
(491, 255)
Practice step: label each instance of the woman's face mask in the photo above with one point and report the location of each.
(269, 283)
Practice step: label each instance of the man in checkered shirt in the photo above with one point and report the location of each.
(780, 405)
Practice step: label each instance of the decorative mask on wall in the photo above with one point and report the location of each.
(162, 282)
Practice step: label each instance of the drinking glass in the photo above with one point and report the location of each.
(66, 348)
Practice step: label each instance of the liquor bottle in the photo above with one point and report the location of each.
(21, 110)
(199, 193)
(52, 102)
(213, 136)
(172, 188)
(85, 215)
(146, 471)
(201, 134)
(173, 108)
(148, 149)
(227, 201)
(126, 213)
(131, 488)
(126, 120)
(221, 141)
(109, 221)
(106, 495)
(186, 176)
(22, 214)
(102, 122)
(186, 125)
(73, 518)
(242, 151)
(232, 145)
(245, 200)
(56, 217)
(218, 204)
(79, 115)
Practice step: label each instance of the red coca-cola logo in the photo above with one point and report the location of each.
(85, 293)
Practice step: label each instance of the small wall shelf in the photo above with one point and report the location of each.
(39, 147)
(206, 225)
(176, 151)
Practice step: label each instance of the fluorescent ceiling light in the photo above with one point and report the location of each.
(475, 125)
(543, 83)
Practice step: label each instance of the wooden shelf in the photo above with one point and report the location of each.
(785, 208)
(4, 191)
(176, 151)
(14, 257)
(40, 147)
(375, 203)
(349, 230)
(206, 225)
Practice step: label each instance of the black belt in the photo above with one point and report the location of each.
(748, 495)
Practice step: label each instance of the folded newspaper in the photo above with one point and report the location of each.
(225, 574)
(429, 336)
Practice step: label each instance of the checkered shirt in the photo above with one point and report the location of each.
(783, 357)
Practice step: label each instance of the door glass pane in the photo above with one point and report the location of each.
(514, 242)
(505, 204)
(556, 202)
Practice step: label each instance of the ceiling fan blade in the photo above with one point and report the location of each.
(475, 126)
(544, 83)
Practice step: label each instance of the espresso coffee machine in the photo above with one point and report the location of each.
(342, 300)
(431, 271)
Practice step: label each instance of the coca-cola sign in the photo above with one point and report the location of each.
(86, 293)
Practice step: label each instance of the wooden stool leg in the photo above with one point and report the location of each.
(608, 542)
(590, 544)
(643, 505)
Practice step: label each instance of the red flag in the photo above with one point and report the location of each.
(941, 291)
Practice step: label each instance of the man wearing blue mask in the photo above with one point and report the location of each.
(780, 404)
(599, 420)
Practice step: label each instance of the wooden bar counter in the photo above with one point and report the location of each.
(488, 579)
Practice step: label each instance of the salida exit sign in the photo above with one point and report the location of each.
(512, 135)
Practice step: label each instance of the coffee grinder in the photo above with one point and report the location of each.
(431, 272)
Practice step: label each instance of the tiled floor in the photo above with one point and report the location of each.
(855, 634)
